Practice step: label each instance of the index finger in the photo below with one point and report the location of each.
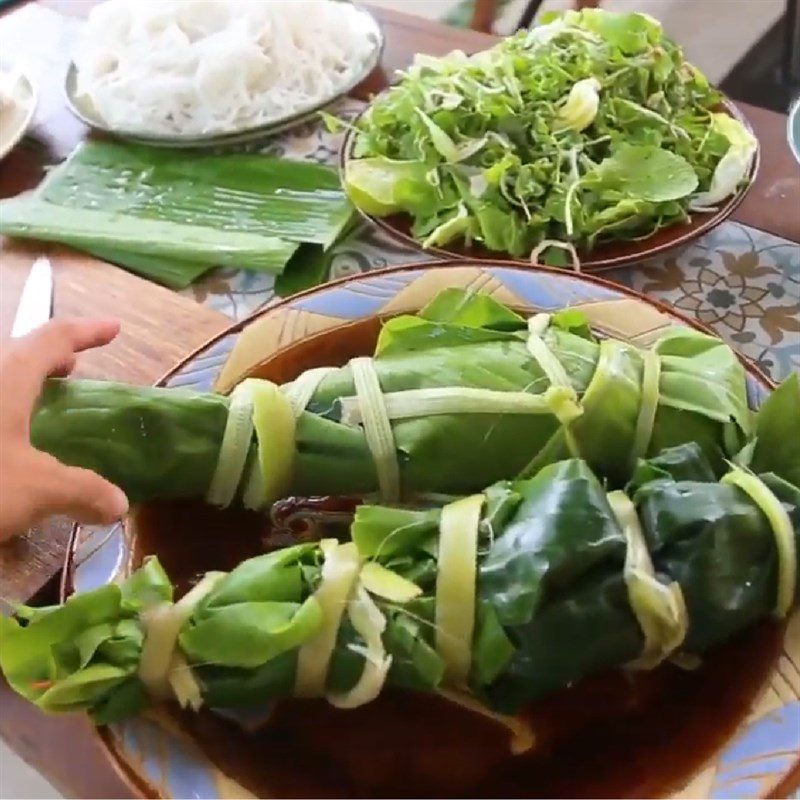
(50, 350)
(84, 334)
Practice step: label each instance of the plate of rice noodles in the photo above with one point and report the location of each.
(587, 142)
(449, 531)
(204, 72)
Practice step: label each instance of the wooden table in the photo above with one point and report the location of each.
(160, 326)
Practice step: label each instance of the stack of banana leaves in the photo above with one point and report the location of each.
(173, 215)
(537, 506)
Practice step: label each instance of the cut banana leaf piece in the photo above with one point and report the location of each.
(83, 228)
(174, 273)
(247, 193)
(309, 266)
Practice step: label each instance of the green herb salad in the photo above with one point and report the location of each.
(589, 128)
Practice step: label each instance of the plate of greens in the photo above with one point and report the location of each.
(589, 141)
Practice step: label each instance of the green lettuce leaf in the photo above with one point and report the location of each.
(471, 310)
(248, 634)
(645, 172)
(777, 432)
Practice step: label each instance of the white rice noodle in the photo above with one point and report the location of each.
(210, 66)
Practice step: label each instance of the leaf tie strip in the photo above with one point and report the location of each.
(781, 525)
(554, 371)
(645, 423)
(456, 586)
(660, 609)
(377, 428)
(411, 403)
(234, 448)
(300, 391)
(274, 422)
(161, 667)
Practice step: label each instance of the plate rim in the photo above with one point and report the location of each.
(27, 118)
(447, 263)
(229, 138)
(684, 233)
(792, 123)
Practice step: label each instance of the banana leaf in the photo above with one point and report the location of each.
(175, 273)
(460, 341)
(102, 230)
(172, 215)
(551, 602)
(249, 193)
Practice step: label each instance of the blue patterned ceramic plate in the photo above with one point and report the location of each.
(764, 754)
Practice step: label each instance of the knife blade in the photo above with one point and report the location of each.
(36, 303)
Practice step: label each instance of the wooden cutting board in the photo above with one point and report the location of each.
(159, 327)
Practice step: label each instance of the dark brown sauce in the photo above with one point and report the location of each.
(611, 736)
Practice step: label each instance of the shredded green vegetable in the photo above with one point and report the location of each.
(592, 127)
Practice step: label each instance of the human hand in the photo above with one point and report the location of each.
(33, 484)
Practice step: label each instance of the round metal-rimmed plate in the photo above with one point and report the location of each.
(761, 760)
(85, 111)
(15, 120)
(793, 129)
(607, 255)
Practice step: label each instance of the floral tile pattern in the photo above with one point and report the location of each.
(741, 282)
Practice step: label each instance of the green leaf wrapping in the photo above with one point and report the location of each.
(552, 603)
(144, 440)
(162, 443)
(84, 654)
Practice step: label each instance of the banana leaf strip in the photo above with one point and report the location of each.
(98, 229)
(174, 273)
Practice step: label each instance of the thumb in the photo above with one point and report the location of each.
(81, 494)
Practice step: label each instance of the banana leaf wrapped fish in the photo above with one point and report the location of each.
(465, 393)
(493, 600)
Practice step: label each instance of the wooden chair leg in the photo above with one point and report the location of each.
(483, 15)
(526, 20)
